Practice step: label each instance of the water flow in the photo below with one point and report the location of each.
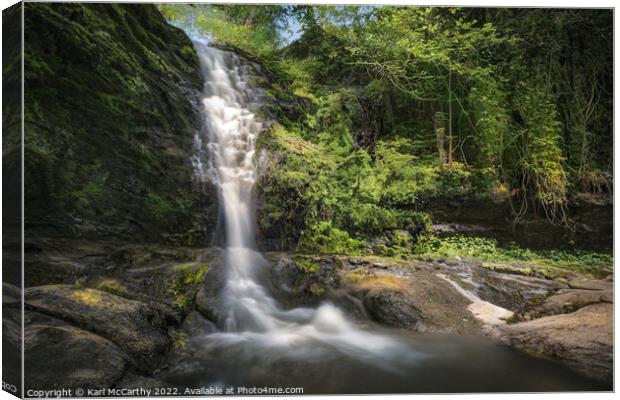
(252, 316)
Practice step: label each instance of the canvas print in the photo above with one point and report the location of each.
(290, 199)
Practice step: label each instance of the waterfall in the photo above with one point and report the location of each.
(251, 316)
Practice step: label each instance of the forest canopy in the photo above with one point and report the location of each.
(408, 104)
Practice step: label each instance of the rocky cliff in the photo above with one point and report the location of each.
(111, 109)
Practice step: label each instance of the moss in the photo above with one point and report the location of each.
(88, 296)
(185, 282)
(113, 286)
(357, 275)
(316, 290)
(110, 102)
(183, 302)
(80, 283)
(179, 339)
(159, 207)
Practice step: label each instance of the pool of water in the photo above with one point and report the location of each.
(432, 364)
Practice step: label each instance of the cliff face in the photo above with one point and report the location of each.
(111, 109)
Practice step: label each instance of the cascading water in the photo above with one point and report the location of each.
(250, 312)
(260, 343)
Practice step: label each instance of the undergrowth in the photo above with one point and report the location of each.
(485, 249)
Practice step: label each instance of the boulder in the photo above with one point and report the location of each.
(59, 355)
(570, 300)
(421, 302)
(303, 280)
(133, 326)
(582, 340)
(393, 307)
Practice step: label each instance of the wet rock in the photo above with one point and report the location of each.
(207, 299)
(139, 138)
(133, 326)
(351, 305)
(45, 268)
(393, 307)
(167, 279)
(582, 340)
(60, 355)
(195, 325)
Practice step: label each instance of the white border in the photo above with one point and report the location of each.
(480, 3)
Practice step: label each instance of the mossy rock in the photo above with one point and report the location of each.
(111, 109)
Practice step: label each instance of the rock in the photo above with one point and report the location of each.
(422, 301)
(133, 326)
(351, 305)
(208, 300)
(393, 307)
(45, 268)
(12, 346)
(511, 291)
(59, 355)
(11, 295)
(572, 300)
(303, 280)
(583, 340)
(129, 114)
(195, 325)
(590, 284)
(133, 380)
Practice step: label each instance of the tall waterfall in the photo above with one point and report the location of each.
(251, 316)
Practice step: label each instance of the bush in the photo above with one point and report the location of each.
(324, 238)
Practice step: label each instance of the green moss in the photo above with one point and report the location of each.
(179, 339)
(159, 207)
(316, 290)
(198, 276)
(183, 302)
(108, 109)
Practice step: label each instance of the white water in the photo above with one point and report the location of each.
(252, 317)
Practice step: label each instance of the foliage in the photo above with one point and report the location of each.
(325, 196)
(307, 264)
(386, 110)
(461, 100)
(324, 238)
(488, 250)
